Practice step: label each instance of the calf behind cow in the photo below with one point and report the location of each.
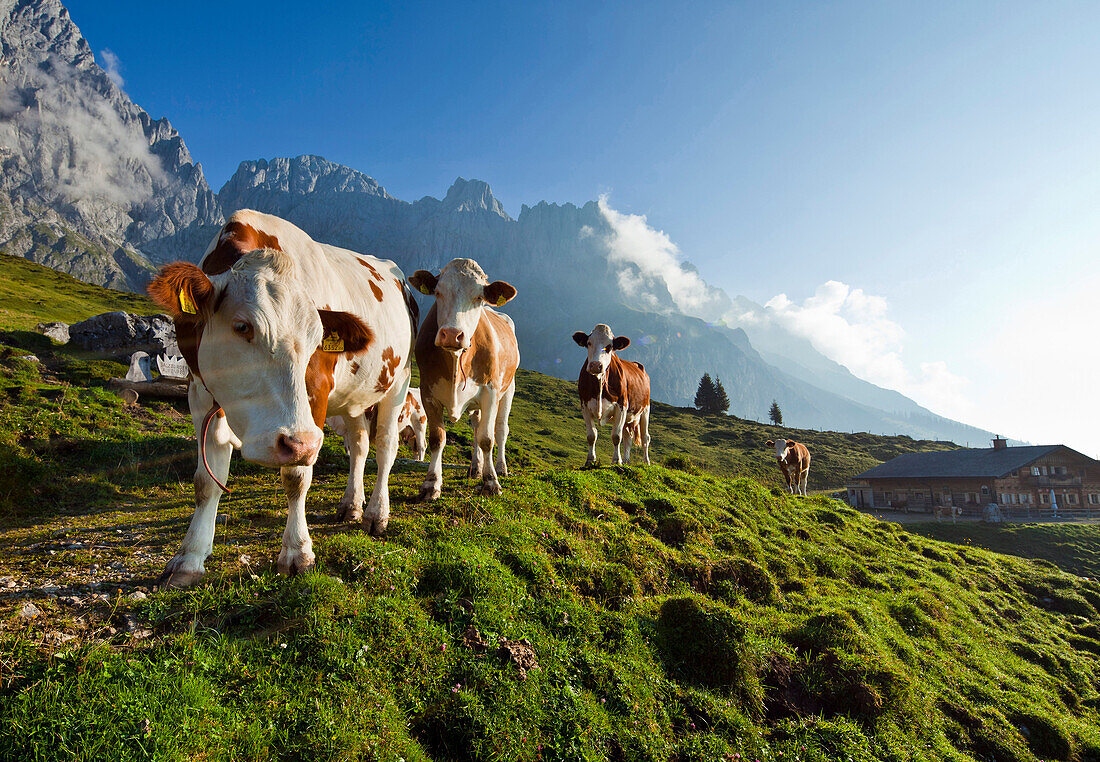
(280, 331)
(613, 391)
(794, 462)
(467, 353)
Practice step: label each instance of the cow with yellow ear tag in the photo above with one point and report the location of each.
(467, 354)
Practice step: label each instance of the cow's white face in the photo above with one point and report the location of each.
(600, 344)
(781, 447)
(259, 353)
(461, 291)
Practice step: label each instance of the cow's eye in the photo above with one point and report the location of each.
(607, 348)
(243, 329)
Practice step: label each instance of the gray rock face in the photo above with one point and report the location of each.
(59, 332)
(120, 333)
(89, 183)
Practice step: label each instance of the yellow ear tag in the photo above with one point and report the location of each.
(187, 304)
(423, 288)
(503, 300)
(332, 343)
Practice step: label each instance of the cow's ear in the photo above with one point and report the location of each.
(183, 290)
(424, 282)
(499, 293)
(791, 443)
(620, 342)
(581, 338)
(770, 443)
(344, 332)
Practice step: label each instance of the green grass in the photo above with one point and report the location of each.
(1072, 547)
(689, 610)
(31, 294)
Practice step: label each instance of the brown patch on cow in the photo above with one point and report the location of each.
(356, 334)
(319, 383)
(626, 384)
(236, 240)
(354, 368)
(375, 290)
(390, 361)
(371, 268)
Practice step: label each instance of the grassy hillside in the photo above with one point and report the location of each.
(31, 294)
(684, 611)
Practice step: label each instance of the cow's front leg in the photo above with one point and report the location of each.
(437, 440)
(503, 411)
(188, 565)
(490, 484)
(296, 555)
(591, 426)
(474, 472)
(357, 444)
(386, 435)
(618, 424)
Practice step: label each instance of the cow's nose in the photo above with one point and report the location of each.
(595, 368)
(449, 338)
(297, 449)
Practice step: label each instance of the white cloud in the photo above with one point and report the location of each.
(112, 67)
(851, 327)
(658, 261)
(57, 117)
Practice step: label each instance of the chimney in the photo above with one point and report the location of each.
(999, 442)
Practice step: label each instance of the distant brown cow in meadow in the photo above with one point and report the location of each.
(794, 462)
(613, 391)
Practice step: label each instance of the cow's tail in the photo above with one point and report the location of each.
(634, 431)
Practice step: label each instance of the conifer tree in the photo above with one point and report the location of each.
(721, 399)
(776, 414)
(706, 394)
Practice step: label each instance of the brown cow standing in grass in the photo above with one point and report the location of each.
(468, 355)
(613, 391)
(794, 462)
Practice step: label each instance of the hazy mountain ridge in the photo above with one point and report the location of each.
(558, 254)
(89, 182)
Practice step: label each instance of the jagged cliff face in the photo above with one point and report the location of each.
(89, 182)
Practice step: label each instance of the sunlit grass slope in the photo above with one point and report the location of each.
(684, 611)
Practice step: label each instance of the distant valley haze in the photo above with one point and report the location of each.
(884, 216)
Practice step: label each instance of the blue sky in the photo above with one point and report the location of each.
(939, 157)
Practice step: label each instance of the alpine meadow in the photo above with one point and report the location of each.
(292, 468)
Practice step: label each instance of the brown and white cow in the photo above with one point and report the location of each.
(794, 462)
(613, 391)
(467, 354)
(282, 331)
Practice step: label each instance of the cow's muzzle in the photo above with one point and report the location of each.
(297, 449)
(450, 339)
(595, 369)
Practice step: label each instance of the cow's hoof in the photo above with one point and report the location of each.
(377, 527)
(179, 578)
(428, 493)
(491, 488)
(349, 513)
(297, 563)
(176, 573)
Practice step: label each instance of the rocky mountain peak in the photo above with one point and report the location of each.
(472, 196)
(89, 182)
